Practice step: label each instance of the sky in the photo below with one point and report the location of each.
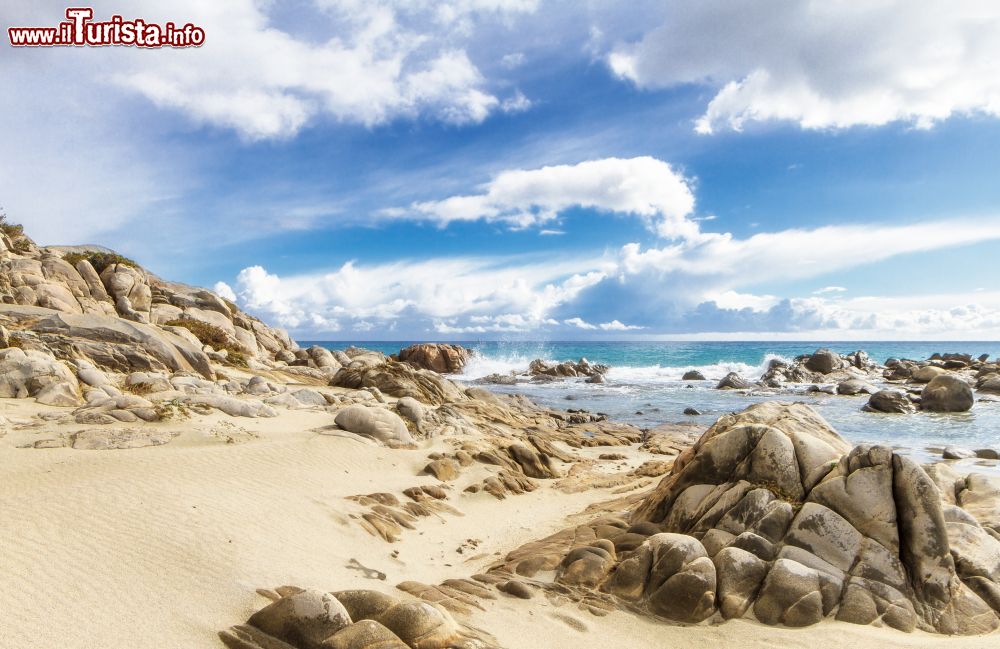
(533, 169)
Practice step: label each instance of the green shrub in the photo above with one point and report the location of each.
(99, 260)
(15, 232)
(232, 305)
(208, 334)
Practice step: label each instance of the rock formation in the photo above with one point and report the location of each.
(437, 357)
(772, 515)
(89, 302)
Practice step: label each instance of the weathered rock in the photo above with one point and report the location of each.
(303, 620)
(824, 361)
(927, 374)
(444, 469)
(851, 387)
(957, 453)
(399, 380)
(366, 634)
(946, 393)
(374, 422)
(890, 401)
(733, 381)
(437, 357)
(693, 375)
(37, 374)
(411, 409)
(868, 540)
(691, 411)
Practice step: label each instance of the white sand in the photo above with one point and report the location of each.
(164, 546)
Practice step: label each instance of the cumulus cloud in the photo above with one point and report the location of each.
(225, 290)
(521, 198)
(375, 62)
(459, 294)
(615, 325)
(579, 323)
(675, 289)
(823, 65)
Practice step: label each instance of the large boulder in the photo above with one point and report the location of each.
(377, 423)
(398, 380)
(927, 373)
(801, 528)
(946, 393)
(303, 620)
(824, 361)
(437, 357)
(32, 373)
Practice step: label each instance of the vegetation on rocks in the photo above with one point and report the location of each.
(99, 260)
(216, 338)
(15, 232)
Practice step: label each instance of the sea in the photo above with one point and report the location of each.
(644, 386)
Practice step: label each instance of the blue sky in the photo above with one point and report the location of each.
(474, 169)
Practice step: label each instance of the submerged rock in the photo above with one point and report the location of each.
(946, 393)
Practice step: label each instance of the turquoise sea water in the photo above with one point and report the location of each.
(644, 387)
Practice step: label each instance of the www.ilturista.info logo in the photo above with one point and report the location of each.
(80, 30)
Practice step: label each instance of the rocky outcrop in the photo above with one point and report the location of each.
(437, 357)
(568, 369)
(352, 619)
(90, 302)
(822, 366)
(37, 374)
(771, 515)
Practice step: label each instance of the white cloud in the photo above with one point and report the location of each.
(680, 288)
(615, 325)
(802, 253)
(645, 187)
(579, 323)
(733, 300)
(823, 65)
(375, 62)
(225, 290)
(434, 290)
(829, 289)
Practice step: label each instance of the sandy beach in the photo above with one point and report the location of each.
(166, 545)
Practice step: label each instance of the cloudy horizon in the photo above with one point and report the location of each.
(532, 169)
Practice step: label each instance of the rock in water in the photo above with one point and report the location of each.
(374, 422)
(891, 401)
(926, 374)
(824, 361)
(693, 375)
(732, 381)
(437, 357)
(946, 393)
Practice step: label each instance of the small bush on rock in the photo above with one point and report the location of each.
(15, 232)
(216, 338)
(99, 260)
